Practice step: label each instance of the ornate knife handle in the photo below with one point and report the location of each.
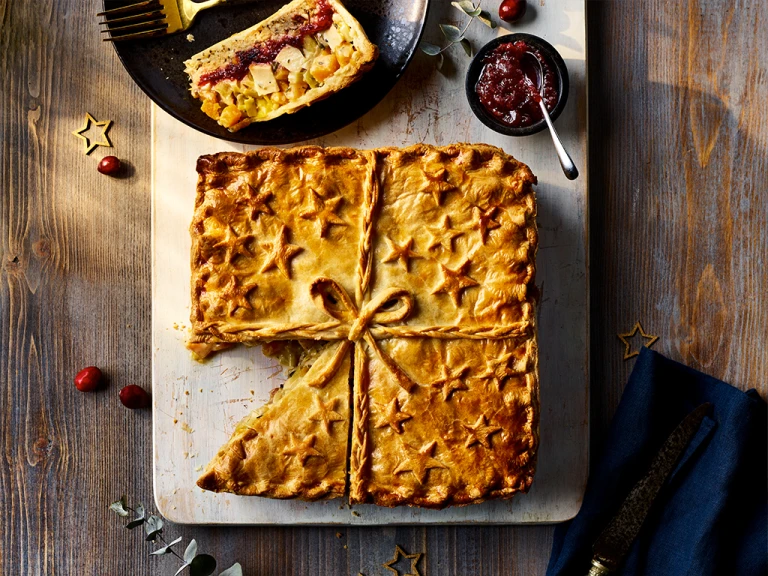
(598, 569)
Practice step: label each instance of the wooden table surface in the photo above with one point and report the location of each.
(678, 213)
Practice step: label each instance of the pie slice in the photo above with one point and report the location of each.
(295, 446)
(304, 52)
(468, 432)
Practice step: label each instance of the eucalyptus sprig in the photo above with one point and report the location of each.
(198, 564)
(454, 35)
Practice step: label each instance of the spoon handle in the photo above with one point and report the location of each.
(569, 168)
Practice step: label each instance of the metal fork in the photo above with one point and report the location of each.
(151, 18)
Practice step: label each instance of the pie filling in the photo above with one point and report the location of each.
(318, 48)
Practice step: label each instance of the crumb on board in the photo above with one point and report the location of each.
(356, 513)
(186, 392)
(345, 546)
(198, 468)
(175, 420)
(190, 38)
(186, 427)
(338, 534)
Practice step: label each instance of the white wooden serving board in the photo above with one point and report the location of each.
(196, 406)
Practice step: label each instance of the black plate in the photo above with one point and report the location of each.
(157, 66)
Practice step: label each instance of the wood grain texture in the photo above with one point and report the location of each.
(679, 156)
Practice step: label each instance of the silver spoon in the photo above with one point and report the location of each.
(566, 162)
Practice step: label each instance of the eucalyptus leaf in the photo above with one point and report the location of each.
(153, 526)
(139, 519)
(202, 565)
(430, 49)
(452, 33)
(135, 523)
(119, 507)
(165, 549)
(467, 47)
(190, 552)
(467, 7)
(180, 570)
(234, 570)
(485, 18)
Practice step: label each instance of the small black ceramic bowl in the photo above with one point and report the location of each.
(476, 67)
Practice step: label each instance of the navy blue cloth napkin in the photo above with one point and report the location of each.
(711, 516)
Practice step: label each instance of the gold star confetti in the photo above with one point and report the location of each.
(89, 145)
(625, 338)
(400, 553)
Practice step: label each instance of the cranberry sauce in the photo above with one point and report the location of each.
(265, 52)
(508, 84)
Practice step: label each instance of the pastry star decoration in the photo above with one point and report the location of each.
(392, 416)
(280, 253)
(302, 449)
(256, 201)
(400, 253)
(442, 235)
(325, 414)
(420, 463)
(650, 340)
(451, 381)
(454, 282)
(323, 211)
(233, 244)
(437, 184)
(483, 221)
(89, 145)
(400, 553)
(497, 369)
(236, 295)
(480, 433)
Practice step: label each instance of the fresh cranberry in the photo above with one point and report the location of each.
(88, 379)
(109, 165)
(512, 10)
(134, 397)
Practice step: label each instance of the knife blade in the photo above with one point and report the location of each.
(614, 542)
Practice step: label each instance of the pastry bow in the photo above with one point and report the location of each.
(392, 305)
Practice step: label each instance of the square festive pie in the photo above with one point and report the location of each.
(304, 52)
(420, 263)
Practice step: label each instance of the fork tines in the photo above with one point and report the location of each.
(138, 20)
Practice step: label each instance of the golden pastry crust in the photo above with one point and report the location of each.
(347, 210)
(468, 432)
(334, 55)
(427, 281)
(293, 447)
(266, 224)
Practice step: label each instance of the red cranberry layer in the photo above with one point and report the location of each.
(265, 52)
(508, 84)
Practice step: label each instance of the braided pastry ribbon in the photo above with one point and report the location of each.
(392, 305)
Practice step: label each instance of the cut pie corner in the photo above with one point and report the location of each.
(295, 446)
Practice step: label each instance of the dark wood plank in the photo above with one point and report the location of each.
(679, 170)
